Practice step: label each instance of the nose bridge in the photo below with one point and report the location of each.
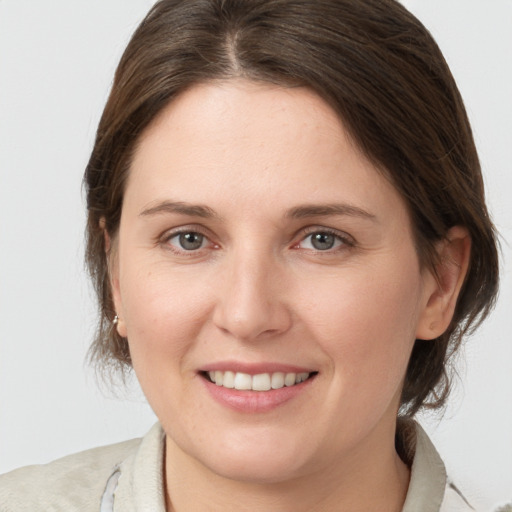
(250, 303)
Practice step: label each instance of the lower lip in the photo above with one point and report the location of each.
(255, 401)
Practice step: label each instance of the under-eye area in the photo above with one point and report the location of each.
(259, 382)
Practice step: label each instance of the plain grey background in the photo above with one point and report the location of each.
(57, 60)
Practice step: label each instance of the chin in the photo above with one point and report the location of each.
(256, 470)
(262, 462)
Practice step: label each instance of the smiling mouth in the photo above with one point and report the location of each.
(260, 382)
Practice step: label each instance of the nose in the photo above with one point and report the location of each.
(251, 300)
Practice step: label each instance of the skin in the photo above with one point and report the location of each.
(259, 291)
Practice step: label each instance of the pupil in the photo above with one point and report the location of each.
(322, 241)
(191, 241)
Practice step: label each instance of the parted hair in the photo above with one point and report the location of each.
(377, 66)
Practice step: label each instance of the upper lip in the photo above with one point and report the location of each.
(255, 368)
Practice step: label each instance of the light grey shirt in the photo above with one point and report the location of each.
(127, 477)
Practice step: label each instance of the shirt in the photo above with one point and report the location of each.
(128, 477)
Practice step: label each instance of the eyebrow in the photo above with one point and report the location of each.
(297, 212)
(324, 210)
(193, 210)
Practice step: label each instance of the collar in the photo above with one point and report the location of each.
(140, 486)
(428, 474)
(136, 485)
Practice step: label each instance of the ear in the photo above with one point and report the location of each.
(442, 289)
(113, 275)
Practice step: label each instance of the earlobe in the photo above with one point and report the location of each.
(106, 236)
(442, 290)
(120, 326)
(113, 277)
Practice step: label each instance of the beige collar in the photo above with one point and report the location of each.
(137, 484)
(428, 475)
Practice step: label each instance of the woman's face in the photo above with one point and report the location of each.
(257, 245)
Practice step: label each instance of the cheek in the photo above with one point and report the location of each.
(164, 313)
(366, 324)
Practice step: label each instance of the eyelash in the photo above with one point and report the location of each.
(346, 240)
(168, 236)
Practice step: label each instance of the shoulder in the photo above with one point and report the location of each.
(75, 482)
(430, 489)
(454, 501)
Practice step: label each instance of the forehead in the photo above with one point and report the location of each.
(241, 115)
(252, 139)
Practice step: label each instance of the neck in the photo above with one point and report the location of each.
(374, 478)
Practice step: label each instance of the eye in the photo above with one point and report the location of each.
(188, 241)
(322, 241)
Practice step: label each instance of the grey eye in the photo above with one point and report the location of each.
(323, 241)
(189, 241)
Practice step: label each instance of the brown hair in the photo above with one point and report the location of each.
(378, 68)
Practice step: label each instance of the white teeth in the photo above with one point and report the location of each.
(219, 377)
(242, 381)
(277, 380)
(289, 379)
(259, 382)
(229, 380)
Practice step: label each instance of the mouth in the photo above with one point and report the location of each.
(259, 382)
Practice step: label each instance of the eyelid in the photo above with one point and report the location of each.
(163, 239)
(347, 239)
(167, 235)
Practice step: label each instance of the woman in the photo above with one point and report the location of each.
(288, 236)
